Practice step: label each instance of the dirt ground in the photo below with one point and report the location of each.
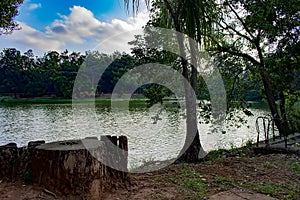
(275, 175)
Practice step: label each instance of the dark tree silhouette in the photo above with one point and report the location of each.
(8, 11)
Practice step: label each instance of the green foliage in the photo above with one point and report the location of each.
(261, 38)
(223, 180)
(293, 113)
(224, 183)
(249, 143)
(9, 9)
(120, 64)
(155, 93)
(144, 55)
(54, 74)
(26, 76)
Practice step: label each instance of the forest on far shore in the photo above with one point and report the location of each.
(27, 76)
(53, 75)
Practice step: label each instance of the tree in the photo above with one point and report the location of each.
(144, 55)
(34, 84)
(192, 17)
(11, 67)
(9, 9)
(119, 65)
(19, 74)
(49, 66)
(66, 73)
(27, 76)
(264, 35)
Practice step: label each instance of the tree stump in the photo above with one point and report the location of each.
(69, 168)
(14, 161)
(8, 158)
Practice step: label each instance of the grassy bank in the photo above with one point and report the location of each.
(275, 175)
(4, 100)
(8, 100)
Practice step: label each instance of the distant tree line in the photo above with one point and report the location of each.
(26, 75)
(53, 74)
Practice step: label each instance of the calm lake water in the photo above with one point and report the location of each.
(147, 140)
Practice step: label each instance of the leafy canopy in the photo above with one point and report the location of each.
(8, 10)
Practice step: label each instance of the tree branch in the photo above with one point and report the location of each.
(236, 53)
(241, 20)
(170, 9)
(234, 30)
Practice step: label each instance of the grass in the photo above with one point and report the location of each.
(193, 181)
(220, 153)
(295, 166)
(289, 190)
(9, 100)
(269, 165)
(270, 189)
(52, 100)
(199, 185)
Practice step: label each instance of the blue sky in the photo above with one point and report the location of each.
(76, 25)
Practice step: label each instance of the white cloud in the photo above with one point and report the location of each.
(81, 24)
(32, 39)
(34, 6)
(80, 31)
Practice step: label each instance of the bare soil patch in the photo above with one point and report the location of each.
(276, 175)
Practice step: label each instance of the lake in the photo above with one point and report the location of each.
(148, 139)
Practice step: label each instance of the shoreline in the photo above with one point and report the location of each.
(55, 100)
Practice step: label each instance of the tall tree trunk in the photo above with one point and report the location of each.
(194, 74)
(269, 92)
(284, 121)
(192, 146)
(192, 151)
(279, 122)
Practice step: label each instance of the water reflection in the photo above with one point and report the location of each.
(147, 140)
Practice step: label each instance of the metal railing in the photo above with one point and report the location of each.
(268, 127)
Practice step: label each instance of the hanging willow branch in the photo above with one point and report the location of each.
(135, 5)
